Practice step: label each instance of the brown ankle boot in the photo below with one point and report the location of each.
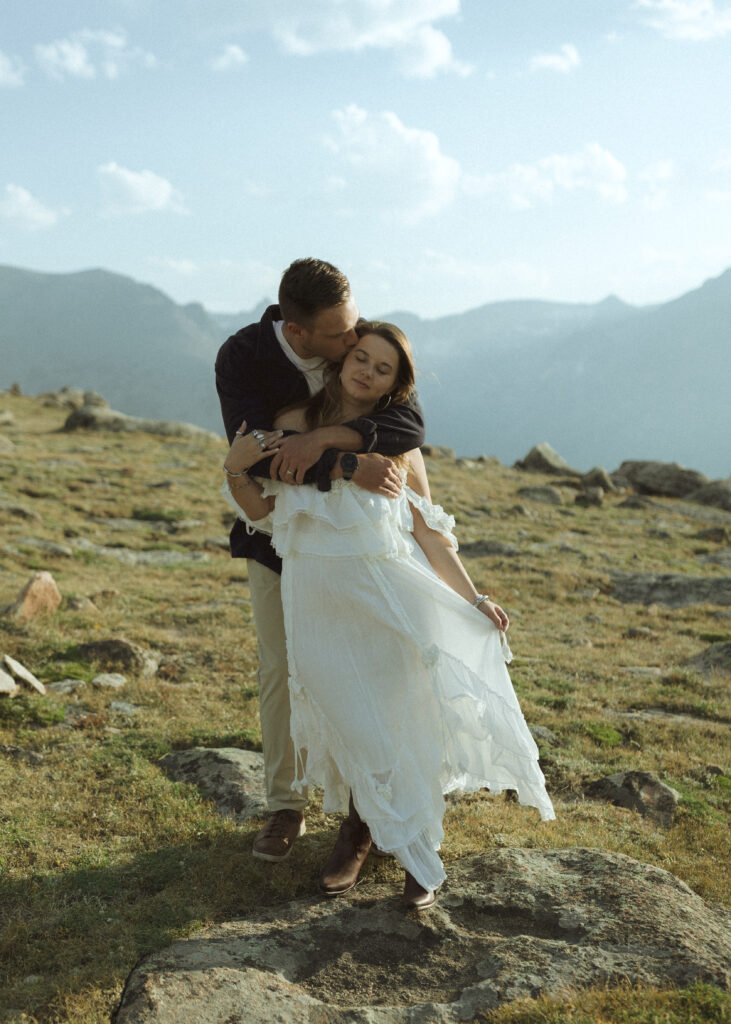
(416, 897)
(348, 856)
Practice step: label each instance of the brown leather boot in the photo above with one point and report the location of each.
(348, 856)
(416, 897)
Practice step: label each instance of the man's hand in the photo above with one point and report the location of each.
(378, 474)
(296, 454)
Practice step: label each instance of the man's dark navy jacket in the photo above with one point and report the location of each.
(254, 380)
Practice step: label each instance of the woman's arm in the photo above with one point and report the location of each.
(439, 551)
(245, 451)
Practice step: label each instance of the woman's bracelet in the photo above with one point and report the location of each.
(228, 472)
(480, 599)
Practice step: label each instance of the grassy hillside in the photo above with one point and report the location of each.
(103, 859)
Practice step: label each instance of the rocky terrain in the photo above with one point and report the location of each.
(131, 769)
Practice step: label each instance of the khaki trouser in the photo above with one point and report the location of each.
(279, 766)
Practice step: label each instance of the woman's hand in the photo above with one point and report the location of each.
(248, 449)
(495, 614)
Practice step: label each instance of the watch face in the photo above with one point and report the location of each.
(348, 464)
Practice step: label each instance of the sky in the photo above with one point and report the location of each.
(443, 153)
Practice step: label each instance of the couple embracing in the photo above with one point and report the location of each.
(382, 673)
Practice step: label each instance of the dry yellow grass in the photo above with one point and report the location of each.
(103, 859)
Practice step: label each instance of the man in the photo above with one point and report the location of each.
(260, 370)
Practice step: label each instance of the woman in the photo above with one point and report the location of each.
(398, 685)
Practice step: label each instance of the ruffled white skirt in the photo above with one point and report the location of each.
(399, 690)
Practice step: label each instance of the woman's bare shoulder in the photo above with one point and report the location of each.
(290, 419)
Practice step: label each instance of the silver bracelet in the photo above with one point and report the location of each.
(228, 472)
(480, 599)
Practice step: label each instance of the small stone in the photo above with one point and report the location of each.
(543, 459)
(542, 734)
(49, 546)
(109, 680)
(21, 754)
(598, 477)
(8, 686)
(123, 707)
(80, 604)
(63, 686)
(6, 445)
(21, 674)
(119, 653)
(591, 497)
(639, 791)
(40, 594)
(547, 495)
(639, 631)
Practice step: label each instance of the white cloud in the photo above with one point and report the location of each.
(231, 57)
(137, 191)
(656, 178)
(12, 71)
(694, 20)
(592, 169)
(404, 26)
(90, 53)
(564, 61)
(403, 167)
(24, 209)
(186, 268)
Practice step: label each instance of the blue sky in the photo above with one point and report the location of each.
(443, 153)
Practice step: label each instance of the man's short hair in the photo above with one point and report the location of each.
(308, 286)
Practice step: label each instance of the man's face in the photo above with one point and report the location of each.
(331, 334)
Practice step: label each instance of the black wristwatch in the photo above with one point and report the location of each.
(348, 464)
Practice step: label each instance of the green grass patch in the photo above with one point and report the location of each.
(603, 734)
(29, 710)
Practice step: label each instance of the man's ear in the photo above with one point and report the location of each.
(294, 328)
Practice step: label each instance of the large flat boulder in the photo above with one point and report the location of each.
(94, 417)
(674, 590)
(507, 924)
(666, 479)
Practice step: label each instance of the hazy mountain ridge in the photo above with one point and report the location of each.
(601, 382)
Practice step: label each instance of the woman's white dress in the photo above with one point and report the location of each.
(399, 690)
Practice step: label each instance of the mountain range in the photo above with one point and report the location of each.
(601, 382)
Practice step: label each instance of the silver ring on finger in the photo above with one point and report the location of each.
(262, 445)
(258, 435)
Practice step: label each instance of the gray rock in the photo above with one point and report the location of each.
(485, 548)
(590, 497)
(123, 707)
(667, 479)
(109, 680)
(547, 495)
(714, 534)
(80, 604)
(598, 477)
(8, 686)
(637, 791)
(442, 450)
(64, 398)
(21, 754)
(717, 493)
(116, 652)
(722, 558)
(542, 734)
(21, 674)
(543, 459)
(49, 546)
(716, 658)
(673, 590)
(6, 445)
(130, 557)
(63, 686)
(508, 924)
(7, 418)
(233, 779)
(12, 508)
(637, 501)
(94, 417)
